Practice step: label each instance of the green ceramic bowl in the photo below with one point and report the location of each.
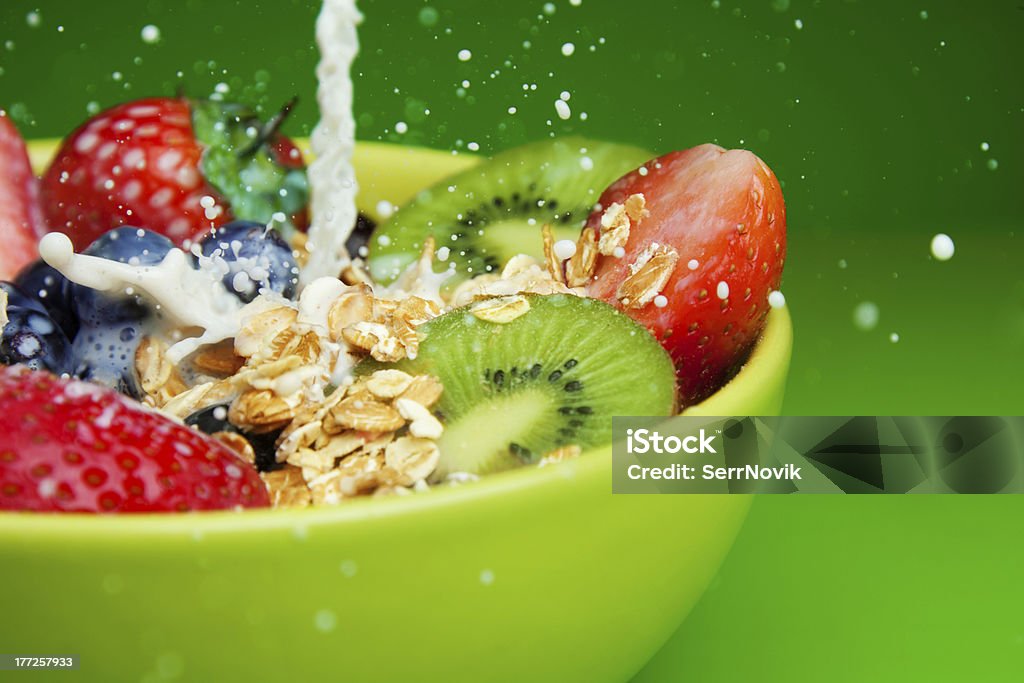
(535, 574)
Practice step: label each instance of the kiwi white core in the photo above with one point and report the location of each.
(519, 236)
(478, 441)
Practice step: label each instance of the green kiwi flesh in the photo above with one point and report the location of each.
(554, 376)
(494, 211)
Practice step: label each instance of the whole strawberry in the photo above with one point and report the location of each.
(20, 216)
(70, 446)
(175, 166)
(715, 220)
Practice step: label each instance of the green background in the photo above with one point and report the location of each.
(873, 114)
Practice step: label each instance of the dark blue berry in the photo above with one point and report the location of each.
(358, 239)
(105, 354)
(250, 258)
(53, 291)
(126, 244)
(32, 338)
(16, 296)
(133, 245)
(214, 419)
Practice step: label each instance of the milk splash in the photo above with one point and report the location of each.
(185, 297)
(331, 176)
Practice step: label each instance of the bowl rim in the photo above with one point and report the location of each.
(768, 360)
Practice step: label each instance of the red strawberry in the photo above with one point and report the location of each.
(70, 446)
(722, 212)
(151, 162)
(21, 218)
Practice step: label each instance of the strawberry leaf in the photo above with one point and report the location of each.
(239, 162)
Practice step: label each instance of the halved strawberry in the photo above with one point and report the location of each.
(722, 213)
(71, 446)
(21, 219)
(175, 166)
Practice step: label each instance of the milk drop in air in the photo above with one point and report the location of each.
(562, 109)
(942, 247)
(865, 315)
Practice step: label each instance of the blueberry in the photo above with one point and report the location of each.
(16, 296)
(32, 338)
(53, 291)
(128, 244)
(105, 354)
(125, 245)
(111, 326)
(360, 236)
(214, 419)
(250, 257)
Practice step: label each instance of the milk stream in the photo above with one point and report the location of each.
(331, 176)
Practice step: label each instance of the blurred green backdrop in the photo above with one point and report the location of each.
(887, 122)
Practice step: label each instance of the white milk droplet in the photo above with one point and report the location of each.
(660, 301)
(776, 299)
(465, 55)
(865, 315)
(722, 290)
(325, 621)
(943, 247)
(150, 34)
(568, 49)
(563, 110)
(564, 249)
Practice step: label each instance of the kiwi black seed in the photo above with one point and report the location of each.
(494, 211)
(552, 377)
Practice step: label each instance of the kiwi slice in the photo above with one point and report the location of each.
(491, 212)
(554, 376)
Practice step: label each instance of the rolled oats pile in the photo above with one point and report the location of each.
(288, 372)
